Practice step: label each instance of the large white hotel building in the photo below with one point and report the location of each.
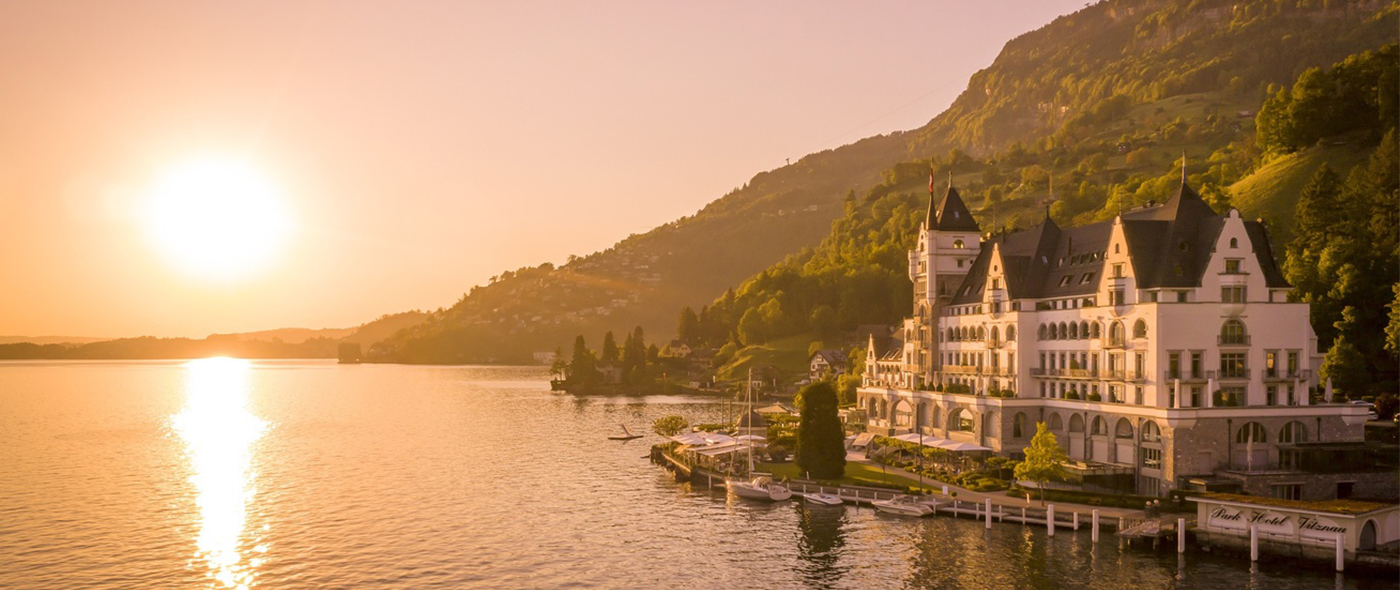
(1159, 347)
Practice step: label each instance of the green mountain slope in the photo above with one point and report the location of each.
(1105, 100)
(1271, 191)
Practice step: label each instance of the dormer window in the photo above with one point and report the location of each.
(1232, 266)
(1088, 276)
(1064, 281)
(958, 244)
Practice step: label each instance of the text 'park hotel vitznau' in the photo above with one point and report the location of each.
(1159, 347)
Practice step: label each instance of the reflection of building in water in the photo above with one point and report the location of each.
(219, 433)
(1159, 347)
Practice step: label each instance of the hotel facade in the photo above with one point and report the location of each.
(1159, 347)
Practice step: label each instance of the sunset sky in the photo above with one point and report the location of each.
(405, 151)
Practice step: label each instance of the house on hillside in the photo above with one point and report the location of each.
(676, 349)
(827, 361)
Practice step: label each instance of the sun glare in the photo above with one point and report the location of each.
(217, 219)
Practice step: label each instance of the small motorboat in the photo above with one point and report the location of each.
(823, 499)
(626, 434)
(759, 488)
(903, 506)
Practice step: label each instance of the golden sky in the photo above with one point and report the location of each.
(414, 149)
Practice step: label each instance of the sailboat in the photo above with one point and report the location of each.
(760, 487)
(626, 434)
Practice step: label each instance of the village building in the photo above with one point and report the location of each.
(827, 362)
(1159, 347)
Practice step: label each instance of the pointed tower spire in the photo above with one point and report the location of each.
(931, 221)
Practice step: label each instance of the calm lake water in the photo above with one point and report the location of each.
(230, 474)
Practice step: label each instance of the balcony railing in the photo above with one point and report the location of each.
(1114, 343)
(1232, 340)
(1278, 375)
(1229, 374)
(963, 369)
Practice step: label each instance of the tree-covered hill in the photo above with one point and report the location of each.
(1104, 101)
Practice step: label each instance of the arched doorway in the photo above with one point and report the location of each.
(1368, 536)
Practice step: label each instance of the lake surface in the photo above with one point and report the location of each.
(233, 474)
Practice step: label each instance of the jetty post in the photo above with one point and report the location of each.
(1094, 517)
(989, 513)
(1253, 542)
(1076, 520)
(1050, 520)
(1341, 553)
(1181, 535)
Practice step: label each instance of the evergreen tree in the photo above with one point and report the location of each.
(821, 450)
(583, 368)
(1392, 330)
(634, 357)
(688, 328)
(1044, 459)
(610, 353)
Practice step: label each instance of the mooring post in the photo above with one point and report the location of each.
(989, 513)
(1050, 520)
(1076, 520)
(1094, 517)
(1341, 553)
(1254, 542)
(1181, 535)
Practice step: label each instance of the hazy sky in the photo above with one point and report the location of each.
(422, 147)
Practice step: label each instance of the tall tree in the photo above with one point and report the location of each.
(688, 328)
(610, 353)
(821, 449)
(1045, 460)
(583, 367)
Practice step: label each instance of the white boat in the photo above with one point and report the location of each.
(759, 488)
(823, 498)
(903, 505)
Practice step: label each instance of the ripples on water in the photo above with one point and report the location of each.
(229, 474)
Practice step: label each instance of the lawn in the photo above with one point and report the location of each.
(857, 474)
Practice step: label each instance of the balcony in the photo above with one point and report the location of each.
(1234, 374)
(1168, 376)
(1232, 340)
(1116, 343)
(1065, 373)
(1277, 375)
(963, 369)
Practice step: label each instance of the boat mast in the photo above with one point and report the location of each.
(748, 415)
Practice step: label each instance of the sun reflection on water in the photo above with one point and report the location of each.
(219, 433)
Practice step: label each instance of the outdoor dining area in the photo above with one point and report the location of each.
(716, 451)
(938, 453)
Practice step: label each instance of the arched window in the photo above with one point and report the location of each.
(1041, 333)
(989, 424)
(1056, 424)
(1139, 329)
(1124, 429)
(1011, 333)
(1084, 330)
(935, 416)
(1232, 332)
(996, 335)
(1018, 425)
(1151, 433)
(1234, 242)
(1115, 334)
(957, 243)
(981, 333)
(1073, 331)
(1064, 332)
(952, 336)
(1293, 432)
(1094, 330)
(1251, 432)
(958, 420)
(1100, 427)
(1076, 423)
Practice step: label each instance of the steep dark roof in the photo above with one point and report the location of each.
(833, 356)
(952, 215)
(1169, 245)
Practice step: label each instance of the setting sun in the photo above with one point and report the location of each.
(217, 219)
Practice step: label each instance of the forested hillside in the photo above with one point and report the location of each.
(1104, 101)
